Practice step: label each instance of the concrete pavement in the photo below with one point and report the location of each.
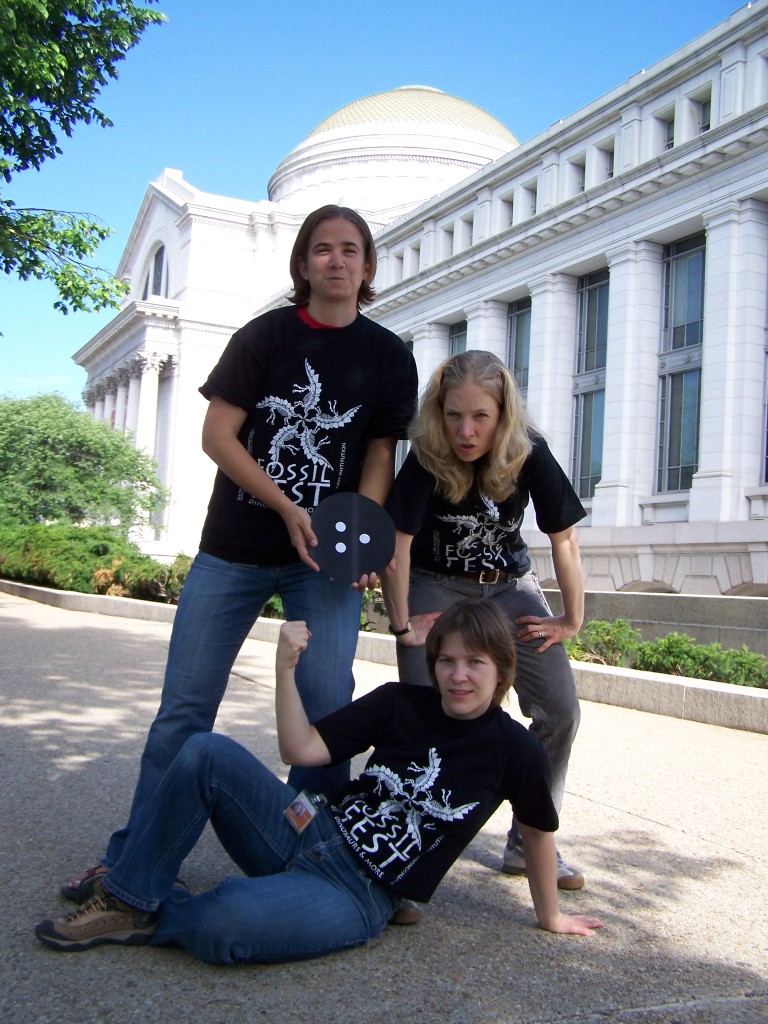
(666, 818)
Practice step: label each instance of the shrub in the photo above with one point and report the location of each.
(678, 654)
(88, 560)
(617, 643)
(605, 643)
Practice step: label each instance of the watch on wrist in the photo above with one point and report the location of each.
(401, 632)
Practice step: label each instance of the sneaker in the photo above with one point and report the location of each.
(406, 913)
(80, 889)
(104, 918)
(567, 877)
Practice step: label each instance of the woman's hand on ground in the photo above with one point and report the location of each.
(574, 924)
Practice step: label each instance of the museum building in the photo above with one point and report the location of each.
(618, 262)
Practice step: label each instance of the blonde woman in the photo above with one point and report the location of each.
(476, 460)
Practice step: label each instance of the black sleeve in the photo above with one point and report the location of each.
(357, 726)
(409, 498)
(396, 406)
(238, 375)
(554, 500)
(529, 791)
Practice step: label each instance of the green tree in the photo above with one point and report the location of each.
(55, 57)
(57, 465)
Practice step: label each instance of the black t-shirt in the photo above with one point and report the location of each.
(477, 533)
(431, 782)
(314, 398)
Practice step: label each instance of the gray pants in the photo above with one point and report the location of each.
(544, 682)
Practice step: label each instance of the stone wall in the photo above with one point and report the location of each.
(731, 621)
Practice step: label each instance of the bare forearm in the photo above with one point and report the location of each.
(298, 741)
(395, 583)
(570, 577)
(378, 469)
(541, 868)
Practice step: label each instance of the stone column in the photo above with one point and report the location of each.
(631, 383)
(121, 377)
(430, 347)
(487, 327)
(89, 400)
(110, 388)
(733, 361)
(147, 422)
(552, 358)
(134, 369)
(98, 405)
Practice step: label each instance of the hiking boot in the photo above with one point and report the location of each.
(82, 888)
(87, 885)
(104, 918)
(568, 878)
(406, 913)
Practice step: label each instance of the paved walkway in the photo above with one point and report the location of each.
(668, 820)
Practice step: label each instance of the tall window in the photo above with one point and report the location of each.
(519, 341)
(679, 430)
(589, 383)
(457, 338)
(683, 293)
(588, 442)
(680, 364)
(156, 281)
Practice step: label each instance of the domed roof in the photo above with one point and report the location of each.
(415, 103)
(384, 154)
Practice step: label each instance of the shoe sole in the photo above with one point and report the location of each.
(63, 945)
(406, 917)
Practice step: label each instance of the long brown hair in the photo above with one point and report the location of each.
(513, 438)
(301, 289)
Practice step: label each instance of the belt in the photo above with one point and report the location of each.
(487, 578)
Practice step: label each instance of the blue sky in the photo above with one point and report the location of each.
(225, 91)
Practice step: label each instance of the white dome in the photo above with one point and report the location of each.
(386, 153)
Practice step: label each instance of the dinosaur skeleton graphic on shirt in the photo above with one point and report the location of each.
(482, 534)
(304, 420)
(397, 824)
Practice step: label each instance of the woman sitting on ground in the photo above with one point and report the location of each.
(443, 760)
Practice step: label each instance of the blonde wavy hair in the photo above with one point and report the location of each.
(512, 443)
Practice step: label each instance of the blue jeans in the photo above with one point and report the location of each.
(544, 683)
(305, 895)
(219, 604)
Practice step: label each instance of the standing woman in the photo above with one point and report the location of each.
(458, 502)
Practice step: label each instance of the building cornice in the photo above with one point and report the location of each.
(724, 145)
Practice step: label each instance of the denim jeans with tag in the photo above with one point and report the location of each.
(219, 603)
(301, 895)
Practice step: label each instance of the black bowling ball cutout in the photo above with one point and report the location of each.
(354, 536)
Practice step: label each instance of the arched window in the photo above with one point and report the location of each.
(156, 281)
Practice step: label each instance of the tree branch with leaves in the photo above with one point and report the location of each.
(55, 58)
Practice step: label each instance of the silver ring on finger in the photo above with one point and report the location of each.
(541, 635)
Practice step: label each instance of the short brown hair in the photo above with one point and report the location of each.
(484, 630)
(301, 289)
